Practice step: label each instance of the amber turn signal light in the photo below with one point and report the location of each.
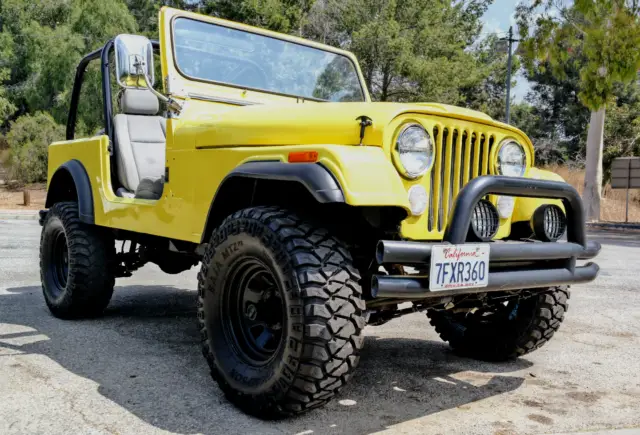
(303, 157)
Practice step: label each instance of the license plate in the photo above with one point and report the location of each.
(459, 266)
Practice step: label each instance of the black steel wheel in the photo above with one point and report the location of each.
(504, 330)
(280, 312)
(253, 301)
(76, 264)
(60, 264)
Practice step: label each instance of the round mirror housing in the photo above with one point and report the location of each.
(134, 61)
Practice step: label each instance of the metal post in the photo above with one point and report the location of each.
(508, 114)
(510, 41)
(626, 214)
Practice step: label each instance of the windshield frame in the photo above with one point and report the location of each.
(267, 34)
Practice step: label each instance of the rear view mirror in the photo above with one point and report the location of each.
(134, 61)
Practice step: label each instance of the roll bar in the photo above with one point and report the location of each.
(103, 55)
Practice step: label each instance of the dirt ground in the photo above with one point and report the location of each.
(13, 199)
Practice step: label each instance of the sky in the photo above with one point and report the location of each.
(498, 18)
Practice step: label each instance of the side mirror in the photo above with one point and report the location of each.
(134, 61)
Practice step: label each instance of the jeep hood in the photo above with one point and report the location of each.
(313, 123)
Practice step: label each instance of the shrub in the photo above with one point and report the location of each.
(29, 138)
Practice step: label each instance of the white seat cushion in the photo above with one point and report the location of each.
(140, 139)
(140, 148)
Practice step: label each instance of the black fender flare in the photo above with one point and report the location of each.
(317, 179)
(78, 173)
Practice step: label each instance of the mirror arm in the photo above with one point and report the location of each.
(173, 105)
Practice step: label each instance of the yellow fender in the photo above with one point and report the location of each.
(525, 207)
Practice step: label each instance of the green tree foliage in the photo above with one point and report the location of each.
(145, 12)
(409, 50)
(622, 126)
(47, 39)
(6, 57)
(29, 138)
(600, 39)
(488, 92)
(287, 16)
(560, 118)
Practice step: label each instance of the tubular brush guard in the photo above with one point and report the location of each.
(513, 265)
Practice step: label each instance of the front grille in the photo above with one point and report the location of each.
(461, 155)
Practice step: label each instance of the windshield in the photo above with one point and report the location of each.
(206, 51)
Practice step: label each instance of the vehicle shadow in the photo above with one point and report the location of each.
(144, 354)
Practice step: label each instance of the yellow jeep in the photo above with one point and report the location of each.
(312, 210)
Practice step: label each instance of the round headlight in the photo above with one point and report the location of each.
(413, 151)
(512, 161)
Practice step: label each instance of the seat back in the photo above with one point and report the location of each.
(140, 138)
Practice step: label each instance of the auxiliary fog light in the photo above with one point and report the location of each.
(484, 222)
(549, 223)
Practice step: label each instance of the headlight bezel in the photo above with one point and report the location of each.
(501, 148)
(396, 157)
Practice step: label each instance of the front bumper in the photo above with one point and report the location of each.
(513, 265)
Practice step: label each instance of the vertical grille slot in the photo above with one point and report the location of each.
(432, 204)
(475, 146)
(457, 165)
(460, 155)
(435, 197)
(447, 141)
(442, 140)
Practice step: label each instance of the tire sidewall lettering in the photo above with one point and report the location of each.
(232, 241)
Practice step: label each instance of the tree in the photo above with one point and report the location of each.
(29, 140)
(598, 38)
(48, 38)
(145, 12)
(622, 127)
(409, 50)
(287, 16)
(489, 93)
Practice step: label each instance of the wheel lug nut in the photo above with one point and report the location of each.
(251, 312)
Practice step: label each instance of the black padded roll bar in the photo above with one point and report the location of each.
(102, 54)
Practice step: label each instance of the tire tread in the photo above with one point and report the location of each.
(537, 329)
(332, 307)
(91, 259)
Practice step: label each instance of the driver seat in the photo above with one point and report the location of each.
(140, 137)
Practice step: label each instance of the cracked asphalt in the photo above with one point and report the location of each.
(138, 370)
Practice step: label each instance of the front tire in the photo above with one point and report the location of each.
(280, 312)
(504, 332)
(76, 264)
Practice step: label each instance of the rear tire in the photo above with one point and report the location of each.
(506, 333)
(76, 264)
(280, 312)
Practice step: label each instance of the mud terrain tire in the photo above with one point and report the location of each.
(77, 264)
(293, 361)
(520, 329)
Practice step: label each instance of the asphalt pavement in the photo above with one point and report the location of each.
(138, 370)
